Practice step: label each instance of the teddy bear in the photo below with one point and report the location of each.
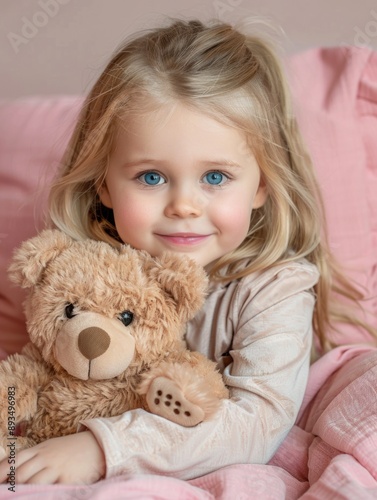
(106, 328)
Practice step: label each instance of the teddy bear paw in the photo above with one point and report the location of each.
(165, 399)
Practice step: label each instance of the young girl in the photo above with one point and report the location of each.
(187, 142)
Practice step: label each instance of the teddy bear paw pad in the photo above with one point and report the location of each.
(165, 399)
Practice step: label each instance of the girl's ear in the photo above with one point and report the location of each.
(104, 196)
(261, 194)
(31, 259)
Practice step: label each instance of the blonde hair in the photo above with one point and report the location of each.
(236, 79)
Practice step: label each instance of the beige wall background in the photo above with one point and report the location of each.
(60, 46)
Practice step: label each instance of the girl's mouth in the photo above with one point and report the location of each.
(183, 239)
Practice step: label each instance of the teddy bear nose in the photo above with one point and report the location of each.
(93, 342)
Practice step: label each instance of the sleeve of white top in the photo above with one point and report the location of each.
(267, 380)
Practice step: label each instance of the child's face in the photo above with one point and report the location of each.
(179, 180)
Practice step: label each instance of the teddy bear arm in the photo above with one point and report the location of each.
(186, 390)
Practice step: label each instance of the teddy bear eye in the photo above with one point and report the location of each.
(126, 317)
(69, 308)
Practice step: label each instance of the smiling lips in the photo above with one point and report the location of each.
(183, 238)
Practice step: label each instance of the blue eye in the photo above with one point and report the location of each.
(152, 178)
(214, 178)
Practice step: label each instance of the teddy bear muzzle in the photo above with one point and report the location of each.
(91, 346)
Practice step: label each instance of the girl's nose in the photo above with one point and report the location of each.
(184, 206)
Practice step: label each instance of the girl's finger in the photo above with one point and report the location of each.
(27, 466)
(44, 476)
(4, 470)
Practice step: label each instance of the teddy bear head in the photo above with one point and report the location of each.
(100, 312)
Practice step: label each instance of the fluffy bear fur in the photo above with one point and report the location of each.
(106, 330)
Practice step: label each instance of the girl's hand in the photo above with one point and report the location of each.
(76, 459)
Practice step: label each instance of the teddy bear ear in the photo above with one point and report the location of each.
(184, 280)
(31, 258)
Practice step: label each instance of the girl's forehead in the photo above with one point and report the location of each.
(174, 114)
(177, 127)
(233, 109)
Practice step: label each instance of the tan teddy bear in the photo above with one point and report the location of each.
(106, 327)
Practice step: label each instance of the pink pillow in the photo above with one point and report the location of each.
(33, 135)
(335, 92)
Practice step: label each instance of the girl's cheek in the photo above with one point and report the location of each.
(233, 209)
(233, 220)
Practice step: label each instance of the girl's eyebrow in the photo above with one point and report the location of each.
(222, 162)
(139, 161)
(211, 163)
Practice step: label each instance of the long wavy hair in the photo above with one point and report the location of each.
(237, 79)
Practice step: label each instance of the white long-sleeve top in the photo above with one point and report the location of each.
(259, 331)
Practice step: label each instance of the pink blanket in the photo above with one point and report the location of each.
(330, 453)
